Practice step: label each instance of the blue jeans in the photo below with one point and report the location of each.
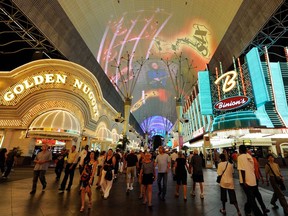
(162, 190)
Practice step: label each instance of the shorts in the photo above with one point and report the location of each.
(181, 179)
(148, 179)
(231, 193)
(131, 172)
(197, 178)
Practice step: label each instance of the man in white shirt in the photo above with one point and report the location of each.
(42, 162)
(173, 156)
(82, 156)
(247, 180)
(163, 162)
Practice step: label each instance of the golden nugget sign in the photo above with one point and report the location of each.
(42, 80)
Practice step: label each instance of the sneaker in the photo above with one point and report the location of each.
(131, 188)
(202, 196)
(33, 192)
(223, 211)
(192, 193)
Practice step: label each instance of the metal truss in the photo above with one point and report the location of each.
(273, 33)
(19, 24)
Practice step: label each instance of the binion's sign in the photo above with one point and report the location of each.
(232, 103)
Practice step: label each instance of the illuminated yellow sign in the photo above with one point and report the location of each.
(230, 81)
(42, 80)
(37, 80)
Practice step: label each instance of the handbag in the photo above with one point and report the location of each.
(109, 175)
(218, 180)
(278, 179)
(84, 177)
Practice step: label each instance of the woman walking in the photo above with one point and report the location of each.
(272, 170)
(227, 184)
(181, 168)
(147, 175)
(87, 177)
(107, 174)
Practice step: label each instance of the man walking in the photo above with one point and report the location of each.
(163, 163)
(247, 180)
(132, 162)
(83, 154)
(60, 164)
(72, 161)
(10, 161)
(42, 161)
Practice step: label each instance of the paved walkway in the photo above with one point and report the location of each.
(15, 199)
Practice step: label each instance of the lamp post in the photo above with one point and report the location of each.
(125, 85)
(179, 74)
(179, 111)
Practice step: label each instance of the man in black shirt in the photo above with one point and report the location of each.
(60, 163)
(11, 158)
(118, 157)
(132, 162)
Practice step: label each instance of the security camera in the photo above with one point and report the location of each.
(183, 120)
(132, 130)
(120, 120)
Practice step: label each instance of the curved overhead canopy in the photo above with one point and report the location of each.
(155, 30)
(55, 123)
(204, 31)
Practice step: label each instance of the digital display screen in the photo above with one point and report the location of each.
(153, 29)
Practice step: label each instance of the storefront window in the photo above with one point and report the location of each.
(285, 151)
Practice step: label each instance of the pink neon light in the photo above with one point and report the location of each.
(156, 35)
(139, 37)
(112, 42)
(123, 44)
(102, 44)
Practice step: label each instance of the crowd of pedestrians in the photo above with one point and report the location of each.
(101, 169)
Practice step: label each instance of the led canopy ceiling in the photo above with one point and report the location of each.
(156, 30)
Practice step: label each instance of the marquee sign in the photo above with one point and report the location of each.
(232, 103)
(58, 80)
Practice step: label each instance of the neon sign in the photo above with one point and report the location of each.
(42, 80)
(232, 103)
(230, 81)
(36, 80)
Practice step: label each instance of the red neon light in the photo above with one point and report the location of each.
(232, 103)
